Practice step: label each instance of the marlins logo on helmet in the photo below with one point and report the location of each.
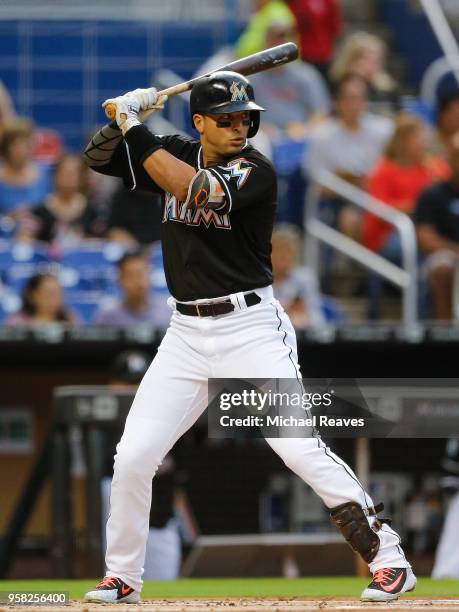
(238, 92)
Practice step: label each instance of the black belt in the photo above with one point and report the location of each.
(213, 309)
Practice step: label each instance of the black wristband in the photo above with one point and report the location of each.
(142, 142)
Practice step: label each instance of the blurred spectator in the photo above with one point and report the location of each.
(134, 218)
(66, 216)
(398, 178)
(364, 55)
(46, 143)
(437, 220)
(295, 286)
(137, 304)
(24, 183)
(266, 13)
(42, 302)
(319, 24)
(416, 522)
(7, 112)
(448, 115)
(348, 145)
(295, 95)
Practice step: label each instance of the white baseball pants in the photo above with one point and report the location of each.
(251, 342)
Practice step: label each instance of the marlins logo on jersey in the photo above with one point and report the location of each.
(238, 169)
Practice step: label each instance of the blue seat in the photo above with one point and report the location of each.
(331, 310)
(84, 303)
(15, 251)
(288, 156)
(158, 278)
(10, 303)
(20, 260)
(90, 266)
(418, 107)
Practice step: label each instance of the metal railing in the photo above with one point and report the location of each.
(438, 20)
(436, 71)
(443, 32)
(404, 276)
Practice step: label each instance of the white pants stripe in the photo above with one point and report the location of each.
(255, 342)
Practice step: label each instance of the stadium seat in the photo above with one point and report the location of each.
(10, 303)
(85, 303)
(20, 260)
(331, 310)
(288, 158)
(90, 266)
(158, 279)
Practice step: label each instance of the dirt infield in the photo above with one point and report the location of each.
(248, 605)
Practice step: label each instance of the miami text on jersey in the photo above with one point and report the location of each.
(174, 210)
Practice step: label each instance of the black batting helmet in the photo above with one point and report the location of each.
(225, 92)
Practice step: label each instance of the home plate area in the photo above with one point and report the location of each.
(251, 605)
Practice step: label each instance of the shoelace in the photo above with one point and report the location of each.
(109, 581)
(383, 575)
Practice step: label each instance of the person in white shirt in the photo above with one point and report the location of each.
(348, 145)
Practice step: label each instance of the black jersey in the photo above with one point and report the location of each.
(208, 253)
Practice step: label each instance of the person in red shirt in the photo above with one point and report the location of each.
(319, 24)
(404, 171)
(400, 176)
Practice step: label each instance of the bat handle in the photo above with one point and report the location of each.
(110, 109)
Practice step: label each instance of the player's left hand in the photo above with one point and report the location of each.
(157, 106)
(136, 106)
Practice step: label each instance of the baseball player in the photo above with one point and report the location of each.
(217, 218)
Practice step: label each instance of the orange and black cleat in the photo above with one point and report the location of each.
(112, 590)
(389, 583)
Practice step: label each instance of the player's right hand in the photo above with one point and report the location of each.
(149, 101)
(146, 98)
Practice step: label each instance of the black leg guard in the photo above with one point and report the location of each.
(353, 524)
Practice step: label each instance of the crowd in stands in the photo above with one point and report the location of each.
(338, 102)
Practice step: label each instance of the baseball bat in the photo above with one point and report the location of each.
(257, 62)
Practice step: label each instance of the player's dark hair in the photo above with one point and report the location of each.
(28, 307)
